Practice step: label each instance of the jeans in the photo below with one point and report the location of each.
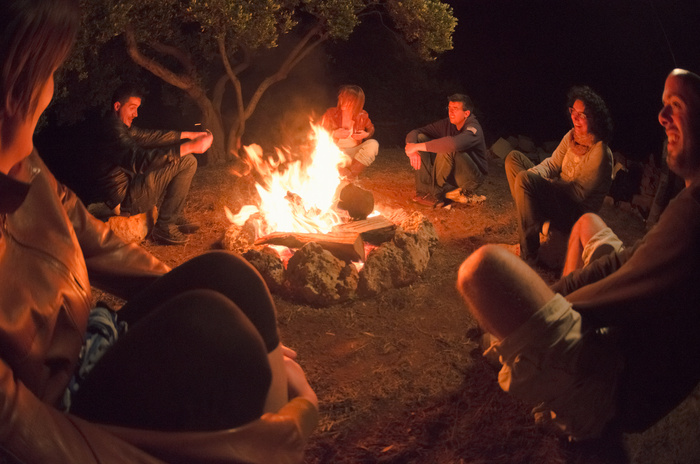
(195, 354)
(441, 172)
(166, 187)
(538, 200)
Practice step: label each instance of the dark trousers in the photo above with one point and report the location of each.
(441, 172)
(166, 187)
(538, 200)
(195, 354)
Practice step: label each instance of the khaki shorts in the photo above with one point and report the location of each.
(601, 243)
(568, 374)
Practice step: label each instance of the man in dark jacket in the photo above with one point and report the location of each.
(139, 168)
(449, 156)
(611, 347)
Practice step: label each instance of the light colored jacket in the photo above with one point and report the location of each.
(50, 249)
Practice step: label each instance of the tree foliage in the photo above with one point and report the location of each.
(205, 47)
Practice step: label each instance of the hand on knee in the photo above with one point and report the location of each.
(298, 385)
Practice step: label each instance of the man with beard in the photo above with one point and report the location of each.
(611, 347)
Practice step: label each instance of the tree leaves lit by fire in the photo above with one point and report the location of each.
(205, 47)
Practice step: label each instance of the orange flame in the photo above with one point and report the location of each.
(297, 195)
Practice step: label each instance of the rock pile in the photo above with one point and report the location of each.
(314, 276)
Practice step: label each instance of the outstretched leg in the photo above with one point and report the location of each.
(549, 360)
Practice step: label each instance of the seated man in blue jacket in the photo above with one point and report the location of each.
(449, 156)
(139, 168)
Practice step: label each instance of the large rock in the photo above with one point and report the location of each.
(419, 225)
(358, 202)
(133, 228)
(269, 265)
(402, 261)
(501, 148)
(318, 278)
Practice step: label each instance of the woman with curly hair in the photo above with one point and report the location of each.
(571, 182)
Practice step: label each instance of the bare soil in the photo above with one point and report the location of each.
(400, 377)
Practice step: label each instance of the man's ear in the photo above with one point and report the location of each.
(467, 113)
(117, 105)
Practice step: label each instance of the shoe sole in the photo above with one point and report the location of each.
(167, 240)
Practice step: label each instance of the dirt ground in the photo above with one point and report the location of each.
(399, 377)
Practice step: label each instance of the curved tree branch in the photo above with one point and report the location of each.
(234, 80)
(176, 53)
(300, 51)
(218, 92)
(182, 82)
(245, 62)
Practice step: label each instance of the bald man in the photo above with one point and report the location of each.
(612, 346)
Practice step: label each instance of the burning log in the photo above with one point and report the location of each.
(347, 246)
(375, 230)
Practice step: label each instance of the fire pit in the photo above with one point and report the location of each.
(309, 249)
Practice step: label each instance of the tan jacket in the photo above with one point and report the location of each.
(49, 244)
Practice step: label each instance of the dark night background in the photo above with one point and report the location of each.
(516, 59)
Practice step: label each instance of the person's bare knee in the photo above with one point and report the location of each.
(588, 225)
(476, 274)
(583, 229)
(500, 290)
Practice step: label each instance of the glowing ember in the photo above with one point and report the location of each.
(296, 195)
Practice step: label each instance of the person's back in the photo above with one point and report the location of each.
(52, 251)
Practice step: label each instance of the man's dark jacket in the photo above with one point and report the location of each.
(125, 152)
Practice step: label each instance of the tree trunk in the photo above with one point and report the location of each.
(244, 111)
(235, 133)
(217, 153)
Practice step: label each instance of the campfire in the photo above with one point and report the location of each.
(315, 237)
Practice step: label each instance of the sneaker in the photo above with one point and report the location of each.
(168, 235)
(186, 226)
(459, 196)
